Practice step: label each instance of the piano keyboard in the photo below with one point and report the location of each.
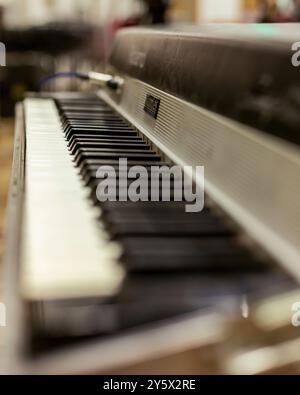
(64, 251)
(113, 265)
(102, 286)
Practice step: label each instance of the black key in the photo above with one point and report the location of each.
(63, 103)
(106, 121)
(122, 180)
(130, 175)
(89, 167)
(194, 253)
(86, 122)
(99, 155)
(94, 123)
(112, 145)
(88, 117)
(134, 208)
(101, 131)
(92, 178)
(94, 128)
(78, 119)
(121, 191)
(103, 137)
(73, 120)
(83, 107)
(139, 149)
(108, 138)
(99, 141)
(100, 112)
(187, 226)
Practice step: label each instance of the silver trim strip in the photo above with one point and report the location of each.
(253, 176)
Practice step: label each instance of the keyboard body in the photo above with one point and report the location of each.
(132, 286)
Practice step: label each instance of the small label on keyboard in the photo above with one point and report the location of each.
(151, 106)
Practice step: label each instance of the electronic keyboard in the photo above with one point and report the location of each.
(99, 283)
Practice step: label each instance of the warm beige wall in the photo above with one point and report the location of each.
(184, 10)
(192, 10)
(28, 12)
(35, 12)
(250, 5)
(219, 10)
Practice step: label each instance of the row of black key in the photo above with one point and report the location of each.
(155, 235)
(176, 261)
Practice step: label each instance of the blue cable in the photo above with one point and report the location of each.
(66, 74)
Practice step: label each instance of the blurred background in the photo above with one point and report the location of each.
(46, 36)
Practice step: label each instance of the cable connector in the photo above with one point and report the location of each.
(101, 79)
(104, 80)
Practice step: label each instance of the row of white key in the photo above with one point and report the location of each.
(64, 251)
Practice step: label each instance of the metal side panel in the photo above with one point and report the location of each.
(252, 175)
(15, 333)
